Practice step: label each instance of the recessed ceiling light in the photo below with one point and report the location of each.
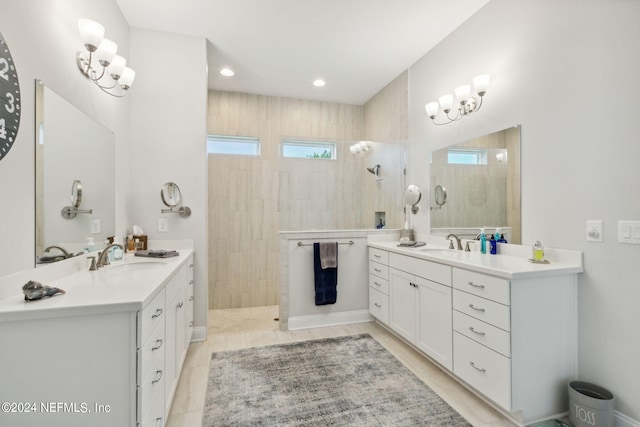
(227, 72)
(319, 83)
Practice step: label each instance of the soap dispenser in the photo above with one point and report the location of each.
(483, 242)
(537, 251)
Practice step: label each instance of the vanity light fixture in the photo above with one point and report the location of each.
(110, 66)
(467, 104)
(360, 147)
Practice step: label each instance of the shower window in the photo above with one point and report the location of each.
(234, 145)
(308, 150)
(467, 157)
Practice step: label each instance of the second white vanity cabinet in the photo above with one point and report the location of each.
(500, 325)
(420, 305)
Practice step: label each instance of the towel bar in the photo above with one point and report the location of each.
(350, 242)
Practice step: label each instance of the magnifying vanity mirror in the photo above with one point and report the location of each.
(70, 212)
(412, 197)
(482, 181)
(171, 197)
(440, 196)
(71, 147)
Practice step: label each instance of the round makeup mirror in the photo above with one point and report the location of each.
(440, 194)
(76, 193)
(412, 196)
(170, 194)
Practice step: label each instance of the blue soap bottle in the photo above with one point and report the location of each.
(494, 245)
(483, 242)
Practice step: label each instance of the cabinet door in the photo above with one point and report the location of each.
(435, 335)
(402, 304)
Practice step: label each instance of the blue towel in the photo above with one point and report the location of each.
(326, 279)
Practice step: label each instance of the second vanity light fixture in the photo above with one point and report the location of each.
(110, 73)
(467, 104)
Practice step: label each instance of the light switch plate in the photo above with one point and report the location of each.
(629, 232)
(163, 225)
(96, 226)
(594, 231)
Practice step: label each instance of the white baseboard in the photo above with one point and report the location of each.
(622, 420)
(199, 334)
(329, 319)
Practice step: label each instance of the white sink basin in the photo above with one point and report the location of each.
(439, 251)
(135, 266)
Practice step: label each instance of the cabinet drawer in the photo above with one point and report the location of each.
(155, 417)
(149, 317)
(151, 388)
(483, 369)
(482, 285)
(152, 350)
(379, 270)
(483, 309)
(430, 270)
(379, 284)
(378, 255)
(490, 336)
(379, 305)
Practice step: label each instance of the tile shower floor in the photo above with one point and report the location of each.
(232, 329)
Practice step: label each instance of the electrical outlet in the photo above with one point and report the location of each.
(163, 225)
(96, 226)
(594, 231)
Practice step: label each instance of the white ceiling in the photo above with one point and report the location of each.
(279, 47)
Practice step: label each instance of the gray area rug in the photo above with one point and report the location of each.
(342, 381)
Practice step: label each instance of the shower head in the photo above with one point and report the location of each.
(375, 170)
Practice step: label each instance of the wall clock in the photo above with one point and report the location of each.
(9, 100)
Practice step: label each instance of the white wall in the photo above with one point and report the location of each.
(567, 71)
(43, 39)
(168, 142)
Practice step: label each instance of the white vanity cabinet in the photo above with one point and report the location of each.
(420, 305)
(107, 353)
(500, 325)
(379, 285)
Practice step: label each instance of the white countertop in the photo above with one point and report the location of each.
(109, 289)
(507, 266)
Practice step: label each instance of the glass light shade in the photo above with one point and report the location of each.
(363, 145)
(126, 80)
(432, 109)
(91, 33)
(106, 51)
(446, 102)
(118, 63)
(462, 93)
(481, 83)
(227, 72)
(353, 149)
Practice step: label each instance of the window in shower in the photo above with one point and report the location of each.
(233, 145)
(308, 149)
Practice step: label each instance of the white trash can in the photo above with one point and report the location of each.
(590, 405)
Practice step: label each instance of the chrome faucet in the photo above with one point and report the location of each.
(103, 258)
(458, 241)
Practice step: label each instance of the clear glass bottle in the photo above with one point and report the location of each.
(537, 251)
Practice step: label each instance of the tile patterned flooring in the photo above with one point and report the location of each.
(231, 329)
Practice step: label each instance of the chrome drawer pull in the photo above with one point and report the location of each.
(377, 270)
(191, 282)
(158, 377)
(180, 304)
(157, 346)
(191, 324)
(377, 256)
(190, 265)
(158, 313)
(159, 421)
(191, 298)
(377, 284)
(476, 285)
(476, 308)
(473, 365)
(476, 332)
(377, 305)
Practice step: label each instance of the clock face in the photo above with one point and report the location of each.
(9, 100)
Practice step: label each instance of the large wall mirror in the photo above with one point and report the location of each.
(481, 180)
(75, 179)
